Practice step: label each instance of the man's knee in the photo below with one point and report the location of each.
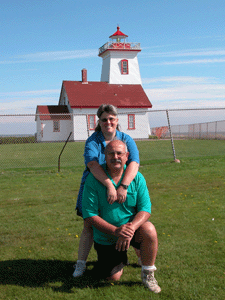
(148, 230)
(116, 276)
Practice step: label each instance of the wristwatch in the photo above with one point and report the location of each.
(124, 186)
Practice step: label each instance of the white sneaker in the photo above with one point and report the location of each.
(149, 281)
(79, 269)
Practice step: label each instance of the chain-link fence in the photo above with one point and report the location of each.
(193, 124)
(39, 141)
(208, 130)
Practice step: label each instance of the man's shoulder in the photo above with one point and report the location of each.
(139, 179)
(139, 176)
(92, 181)
(90, 178)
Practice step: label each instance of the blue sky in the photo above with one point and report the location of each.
(182, 61)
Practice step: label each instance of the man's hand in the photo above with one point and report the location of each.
(121, 194)
(123, 244)
(111, 194)
(125, 231)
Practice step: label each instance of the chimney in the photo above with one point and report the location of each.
(84, 76)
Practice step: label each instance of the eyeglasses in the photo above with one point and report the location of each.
(114, 153)
(109, 119)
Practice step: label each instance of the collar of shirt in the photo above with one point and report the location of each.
(107, 173)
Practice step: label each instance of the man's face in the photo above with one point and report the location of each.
(116, 155)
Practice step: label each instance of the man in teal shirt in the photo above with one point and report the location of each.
(116, 226)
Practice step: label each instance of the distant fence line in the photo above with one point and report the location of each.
(207, 130)
(19, 147)
(197, 123)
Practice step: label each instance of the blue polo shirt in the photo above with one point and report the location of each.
(95, 203)
(94, 151)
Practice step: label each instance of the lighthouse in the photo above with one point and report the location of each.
(120, 63)
(120, 86)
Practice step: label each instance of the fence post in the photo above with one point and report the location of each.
(62, 151)
(171, 137)
(87, 126)
(216, 130)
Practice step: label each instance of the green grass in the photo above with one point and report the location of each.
(40, 155)
(45, 155)
(17, 139)
(40, 230)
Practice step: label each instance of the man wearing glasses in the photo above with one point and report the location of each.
(116, 226)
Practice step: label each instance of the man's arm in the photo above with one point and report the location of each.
(129, 175)
(124, 233)
(123, 243)
(100, 174)
(108, 228)
(140, 218)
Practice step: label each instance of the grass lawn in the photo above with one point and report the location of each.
(40, 230)
(45, 155)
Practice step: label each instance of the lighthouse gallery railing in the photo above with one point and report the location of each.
(119, 46)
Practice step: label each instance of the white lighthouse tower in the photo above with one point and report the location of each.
(120, 63)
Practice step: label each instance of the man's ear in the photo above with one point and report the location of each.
(127, 154)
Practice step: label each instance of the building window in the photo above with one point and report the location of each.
(56, 126)
(131, 121)
(91, 122)
(124, 66)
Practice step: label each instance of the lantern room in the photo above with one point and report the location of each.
(120, 63)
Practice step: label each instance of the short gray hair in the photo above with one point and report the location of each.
(116, 139)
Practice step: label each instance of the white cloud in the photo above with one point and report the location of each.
(30, 93)
(187, 92)
(214, 55)
(188, 62)
(211, 37)
(184, 92)
(25, 106)
(27, 101)
(175, 79)
(51, 56)
(188, 52)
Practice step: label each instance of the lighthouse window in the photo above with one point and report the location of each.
(91, 122)
(124, 66)
(131, 121)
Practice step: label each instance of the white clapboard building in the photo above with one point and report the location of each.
(120, 85)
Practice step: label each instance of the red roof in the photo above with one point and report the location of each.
(118, 33)
(93, 94)
(53, 112)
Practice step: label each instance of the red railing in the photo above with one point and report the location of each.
(120, 46)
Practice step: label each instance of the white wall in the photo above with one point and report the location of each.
(80, 129)
(38, 129)
(63, 100)
(49, 135)
(78, 126)
(111, 67)
(142, 128)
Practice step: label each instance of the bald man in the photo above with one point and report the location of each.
(117, 226)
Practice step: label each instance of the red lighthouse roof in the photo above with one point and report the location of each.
(118, 33)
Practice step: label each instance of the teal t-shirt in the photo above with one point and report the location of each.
(94, 203)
